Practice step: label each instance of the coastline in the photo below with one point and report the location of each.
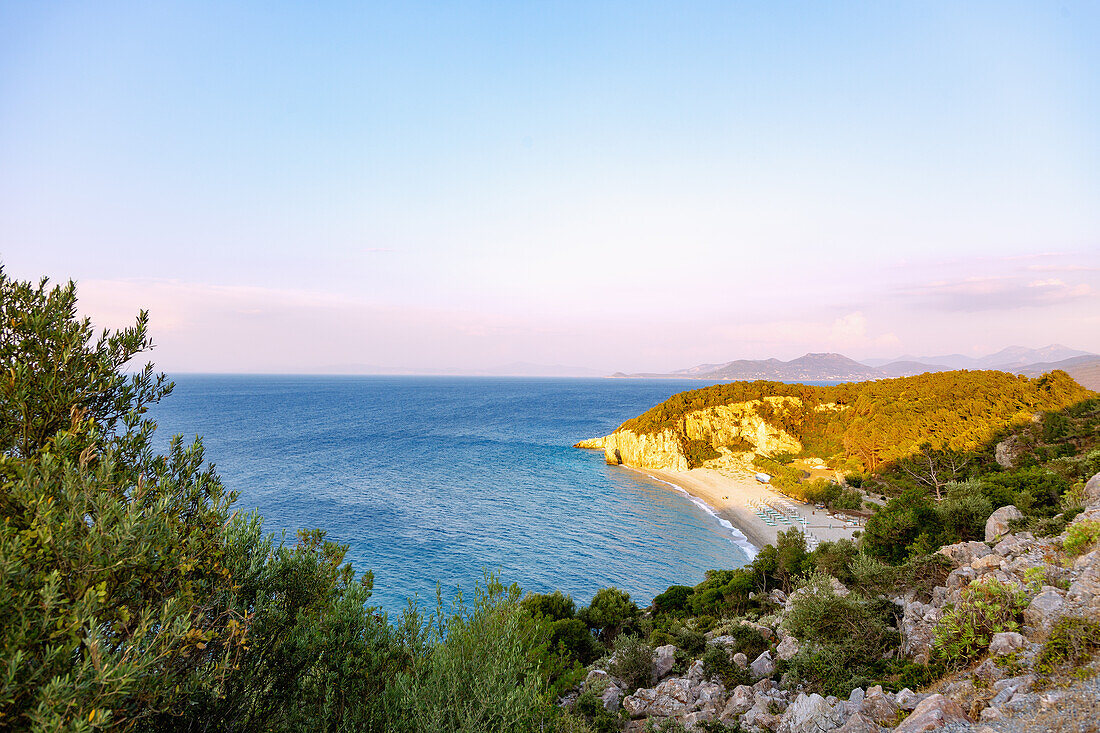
(727, 495)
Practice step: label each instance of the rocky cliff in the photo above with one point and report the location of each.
(724, 436)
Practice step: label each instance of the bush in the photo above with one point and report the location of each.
(987, 607)
(483, 674)
(835, 668)
(113, 591)
(1072, 641)
(718, 663)
(963, 512)
(673, 600)
(608, 612)
(551, 606)
(1082, 536)
(894, 527)
(632, 662)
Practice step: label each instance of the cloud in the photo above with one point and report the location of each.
(995, 293)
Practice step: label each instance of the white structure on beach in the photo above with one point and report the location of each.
(763, 478)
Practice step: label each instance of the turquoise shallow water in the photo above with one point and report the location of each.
(439, 479)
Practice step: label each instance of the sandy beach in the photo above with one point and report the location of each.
(730, 494)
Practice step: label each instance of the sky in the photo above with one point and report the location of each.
(635, 186)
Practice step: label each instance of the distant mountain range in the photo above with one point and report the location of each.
(1081, 365)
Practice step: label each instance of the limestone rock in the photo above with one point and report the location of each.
(859, 723)
(906, 699)
(763, 666)
(997, 524)
(664, 659)
(611, 698)
(1007, 451)
(1006, 643)
(741, 660)
(1092, 490)
(878, 707)
(760, 717)
(809, 714)
(934, 712)
(671, 697)
(1044, 609)
(739, 702)
(695, 672)
(987, 562)
(709, 694)
(787, 648)
(964, 553)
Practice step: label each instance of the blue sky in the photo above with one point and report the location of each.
(289, 187)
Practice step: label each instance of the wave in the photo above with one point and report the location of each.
(737, 536)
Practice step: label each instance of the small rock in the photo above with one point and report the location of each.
(664, 659)
(1006, 642)
(934, 711)
(878, 707)
(763, 666)
(988, 562)
(611, 698)
(787, 648)
(1044, 608)
(906, 699)
(856, 697)
(859, 723)
(964, 553)
(741, 660)
(695, 672)
(740, 701)
(1092, 490)
(595, 677)
(809, 714)
(997, 524)
(990, 714)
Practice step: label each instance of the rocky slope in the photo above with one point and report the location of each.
(1007, 689)
(733, 433)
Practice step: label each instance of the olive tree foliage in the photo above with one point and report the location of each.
(113, 586)
(482, 668)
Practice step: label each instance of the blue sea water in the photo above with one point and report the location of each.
(440, 479)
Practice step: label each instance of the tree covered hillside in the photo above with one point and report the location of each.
(880, 422)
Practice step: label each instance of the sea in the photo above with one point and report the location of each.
(436, 481)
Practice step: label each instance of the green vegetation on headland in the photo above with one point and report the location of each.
(134, 598)
(881, 422)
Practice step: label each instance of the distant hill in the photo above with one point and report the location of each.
(1085, 370)
(1004, 360)
(840, 368)
(812, 367)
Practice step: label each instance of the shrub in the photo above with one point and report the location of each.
(963, 511)
(718, 663)
(987, 607)
(608, 612)
(1072, 641)
(835, 668)
(551, 606)
(894, 527)
(698, 452)
(1082, 536)
(673, 600)
(483, 674)
(816, 612)
(690, 640)
(632, 661)
(573, 639)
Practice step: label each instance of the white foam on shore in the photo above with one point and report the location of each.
(737, 536)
